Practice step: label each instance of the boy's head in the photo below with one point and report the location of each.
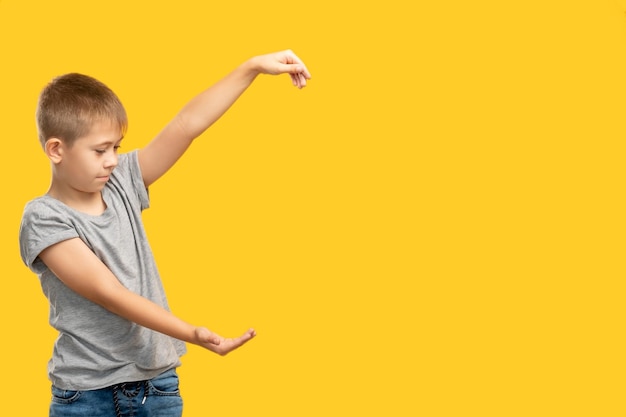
(70, 104)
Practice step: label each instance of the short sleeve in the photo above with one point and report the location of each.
(127, 175)
(42, 226)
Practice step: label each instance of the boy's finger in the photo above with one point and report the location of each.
(305, 70)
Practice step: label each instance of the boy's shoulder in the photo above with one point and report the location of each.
(42, 209)
(127, 165)
(40, 204)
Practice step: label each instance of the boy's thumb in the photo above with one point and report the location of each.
(291, 68)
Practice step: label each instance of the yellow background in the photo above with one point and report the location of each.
(433, 227)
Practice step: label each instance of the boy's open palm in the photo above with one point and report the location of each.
(220, 345)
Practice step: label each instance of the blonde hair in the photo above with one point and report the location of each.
(70, 104)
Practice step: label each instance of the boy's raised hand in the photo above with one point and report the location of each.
(218, 344)
(281, 63)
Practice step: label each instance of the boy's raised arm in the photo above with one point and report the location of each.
(207, 107)
(72, 261)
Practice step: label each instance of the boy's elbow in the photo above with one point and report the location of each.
(108, 295)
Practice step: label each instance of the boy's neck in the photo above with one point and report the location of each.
(88, 203)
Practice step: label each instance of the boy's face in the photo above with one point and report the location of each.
(86, 165)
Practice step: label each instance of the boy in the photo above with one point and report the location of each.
(118, 345)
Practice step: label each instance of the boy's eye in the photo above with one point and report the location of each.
(101, 151)
(117, 147)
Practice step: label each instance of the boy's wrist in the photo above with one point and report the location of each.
(252, 66)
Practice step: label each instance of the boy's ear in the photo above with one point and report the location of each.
(54, 150)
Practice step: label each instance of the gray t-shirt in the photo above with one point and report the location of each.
(96, 348)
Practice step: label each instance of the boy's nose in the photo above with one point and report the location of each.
(111, 161)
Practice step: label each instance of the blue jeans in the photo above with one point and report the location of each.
(157, 397)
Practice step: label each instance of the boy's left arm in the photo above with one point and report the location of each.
(206, 108)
